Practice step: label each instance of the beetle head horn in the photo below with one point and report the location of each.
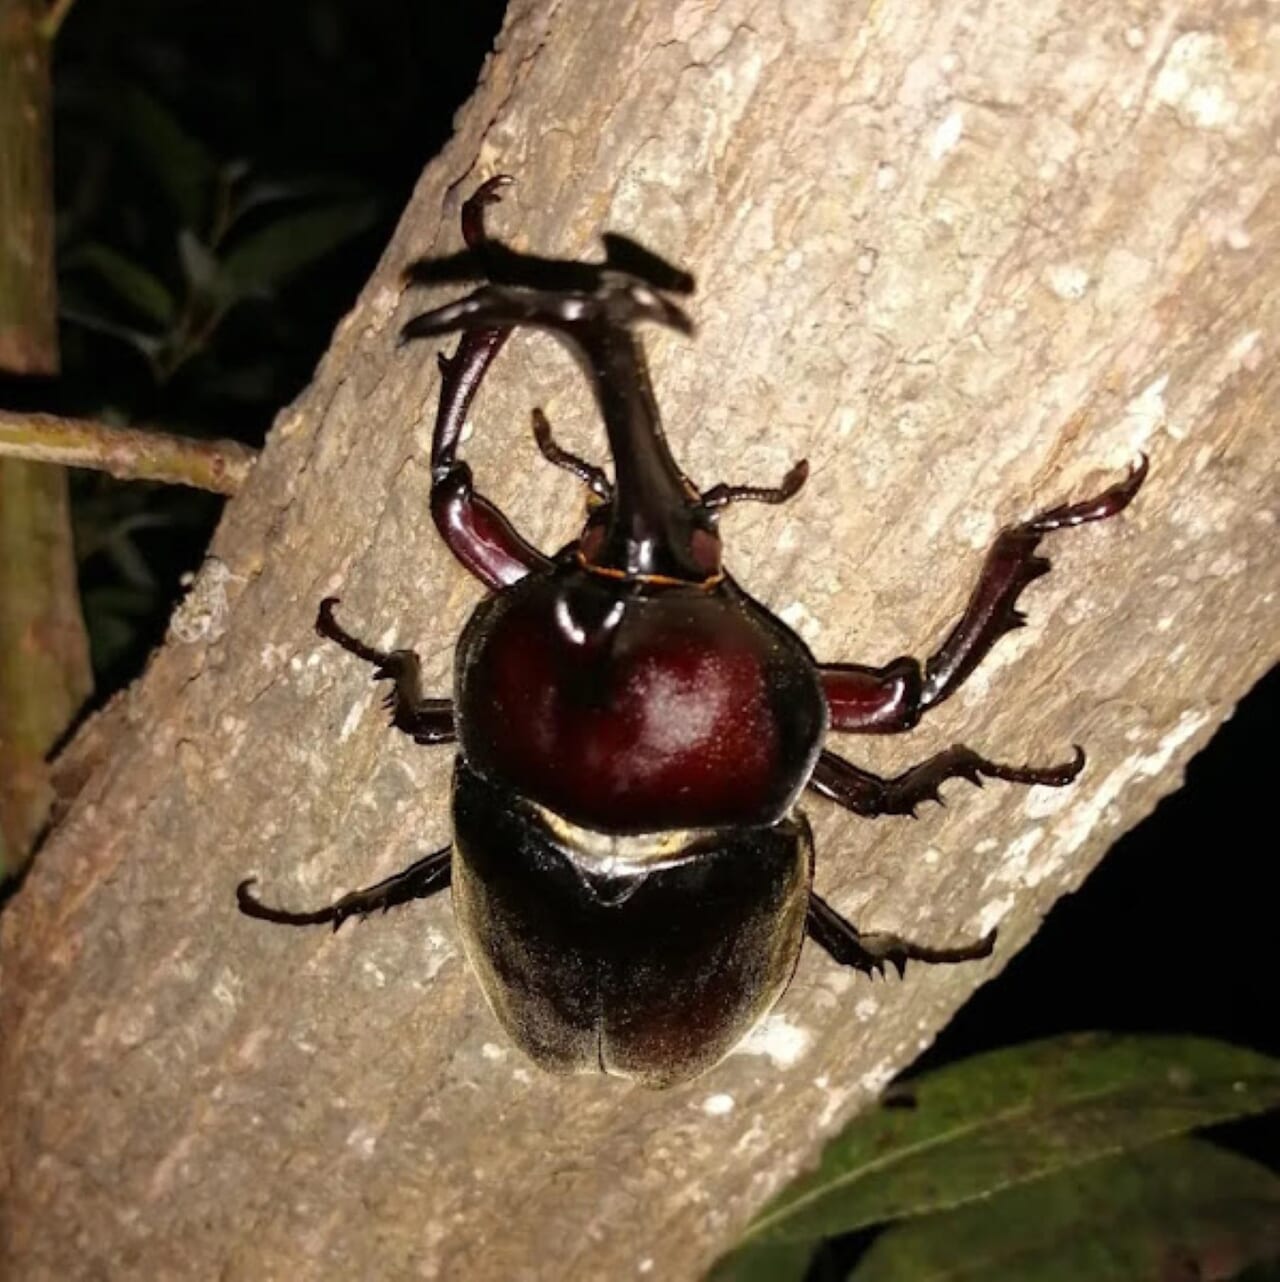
(620, 300)
(657, 527)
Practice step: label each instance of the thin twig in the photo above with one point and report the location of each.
(52, 21)
(129, 453)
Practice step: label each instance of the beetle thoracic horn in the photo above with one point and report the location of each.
(657, 525)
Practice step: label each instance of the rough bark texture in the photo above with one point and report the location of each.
(966, 258)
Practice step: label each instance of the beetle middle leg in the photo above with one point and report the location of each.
(871, 795)
(722, 495)
(718, 496)
(424, 720)
(589, 474)
(423, 878)
(842, 940)
(893, 698)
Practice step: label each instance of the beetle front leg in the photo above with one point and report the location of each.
(884, 700)
(842, 940)
(472, 527)
(421, 879)
(425, 720)
(871, 795)
(478, 533)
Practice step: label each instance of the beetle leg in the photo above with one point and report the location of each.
(420, 880)
(1010, 565)
(479, 534)
(588, 473)
(474, 530)
(868, 953)
(870, 795)
(425, 720)
(722, 495)
(892, 698)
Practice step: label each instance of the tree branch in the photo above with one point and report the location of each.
(127, 453)
(45, 673)
(56, 15)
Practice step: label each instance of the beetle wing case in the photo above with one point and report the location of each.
(645, 956)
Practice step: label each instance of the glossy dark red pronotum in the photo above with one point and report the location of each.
(631, 876)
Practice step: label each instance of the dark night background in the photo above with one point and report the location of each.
(336, 106)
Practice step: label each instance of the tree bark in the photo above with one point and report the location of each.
(28, 284)
(969, 262)
(45, 674)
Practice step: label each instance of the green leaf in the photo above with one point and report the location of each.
(1179, 1209)
(1015, 1115)
(774, 1262)
(129, 281)
(262, 260)
(257, 193)
(83, 314)
(182, 167)
(199, 266)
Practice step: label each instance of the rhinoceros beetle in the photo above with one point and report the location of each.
(632, 879)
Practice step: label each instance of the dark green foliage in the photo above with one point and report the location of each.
(1180, 1209)
(1033, 1142)
(227, 176)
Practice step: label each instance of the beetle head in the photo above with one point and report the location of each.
(654, 528)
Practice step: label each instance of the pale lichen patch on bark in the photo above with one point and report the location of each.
(778, 1040)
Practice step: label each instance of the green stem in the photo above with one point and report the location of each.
(53, 20)
(127, 453)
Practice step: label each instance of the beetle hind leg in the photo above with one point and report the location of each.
(844, 943)
(871, 795)
(420, 880)
(424, 720)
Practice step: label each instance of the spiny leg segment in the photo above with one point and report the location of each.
(427, 721)
(473, 528)
(420, 880)
(868, 953)
(871, 795)
(886, 700)
(893, 698)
